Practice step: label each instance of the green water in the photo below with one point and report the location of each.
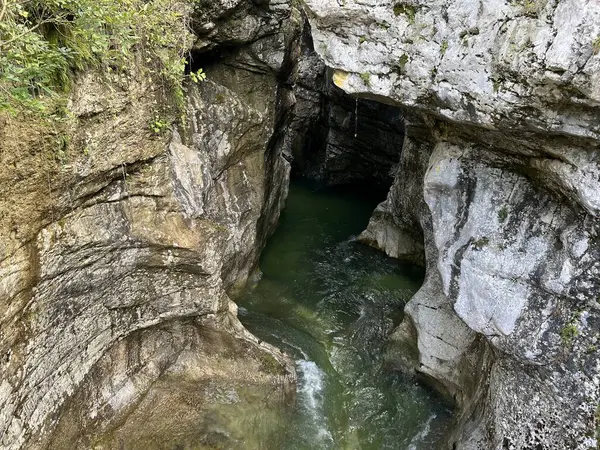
(330, 303)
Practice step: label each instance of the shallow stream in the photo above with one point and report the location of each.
(331, 303)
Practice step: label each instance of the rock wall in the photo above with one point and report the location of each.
(119, 250)
(500, 178)
(117, 254)
(331, 129)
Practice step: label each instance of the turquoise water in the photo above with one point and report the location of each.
(331, 303)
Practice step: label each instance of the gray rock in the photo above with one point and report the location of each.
(504, 96)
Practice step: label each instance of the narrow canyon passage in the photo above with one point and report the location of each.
(331, 303)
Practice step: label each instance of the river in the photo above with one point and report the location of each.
(331, 303)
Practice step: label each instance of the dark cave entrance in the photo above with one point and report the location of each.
(349, 141)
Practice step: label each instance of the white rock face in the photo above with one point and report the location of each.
(502, 104)
(491, 63)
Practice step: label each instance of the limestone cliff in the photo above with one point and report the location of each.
(118, 253)
(500, 173)
(121, 246)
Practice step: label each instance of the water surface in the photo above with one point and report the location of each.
(331, 303)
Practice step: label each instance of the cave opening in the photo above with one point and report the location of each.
(202, 59)
(331, 302)
(351, 141)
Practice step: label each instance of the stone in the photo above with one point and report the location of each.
(117, 262)
(502, 100)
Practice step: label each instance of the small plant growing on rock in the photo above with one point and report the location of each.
(503, 214)
(402, 62)
(496, 83)
(408, 10)
(198, 76)
(443, 47)
(570, 331)
(434, 72)
(480, 243)
(530, 7)
(366, 78)
(61, 148)
(596, 45)
(158, 126)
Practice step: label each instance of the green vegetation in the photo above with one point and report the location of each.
(403, 61)
(568, 333)
(434, 71)
(443, 47)
(530, 7)
(44, 42)
(158, 125)
(366, 78)
(571, 330)
(480, 243)
(408, 10)
(503, 214)
(497, 83)
(362, 40)
(596, 45)
(61, 144)
(219, 98)
(269, 364)
(198, 76)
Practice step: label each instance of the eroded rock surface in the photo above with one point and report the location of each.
(501, 102)
(331, 129)
(116, 265)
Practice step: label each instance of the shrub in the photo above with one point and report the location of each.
(43, 41)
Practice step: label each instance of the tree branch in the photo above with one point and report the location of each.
(33, 28)
(3, 10)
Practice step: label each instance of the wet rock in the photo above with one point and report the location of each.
(181, 383)
(504, 98)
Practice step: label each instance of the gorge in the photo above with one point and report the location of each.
(126, 248)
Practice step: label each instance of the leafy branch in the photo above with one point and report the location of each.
(42, 42)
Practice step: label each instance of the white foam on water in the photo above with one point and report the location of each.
(310, 391)
(419, 437)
